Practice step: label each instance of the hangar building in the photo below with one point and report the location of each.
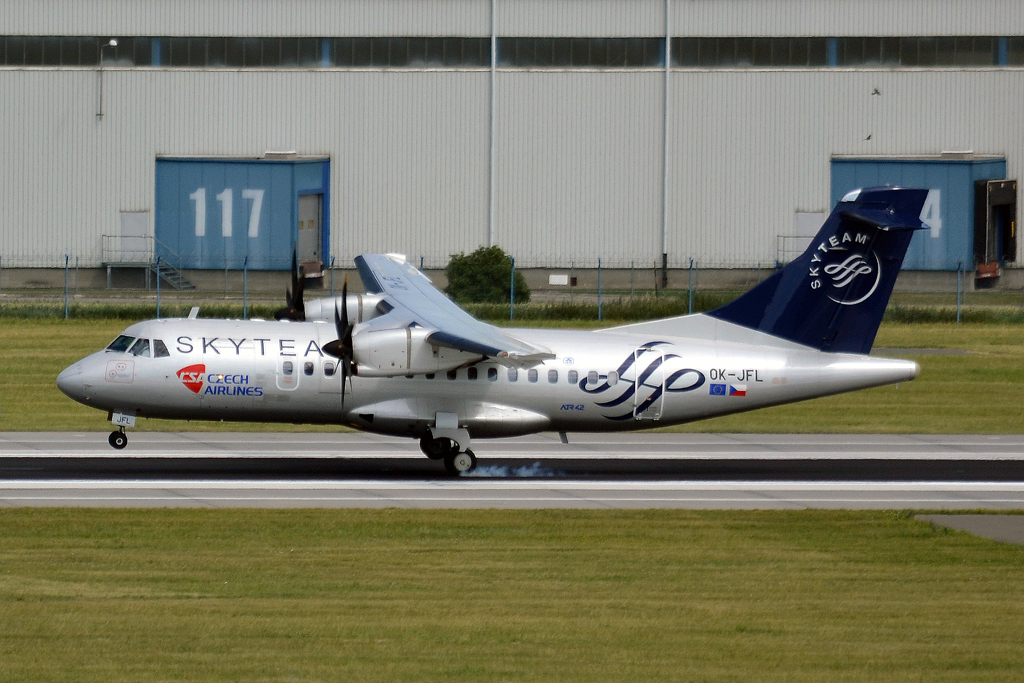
(217, 134)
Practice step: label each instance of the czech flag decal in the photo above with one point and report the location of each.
(737, 389)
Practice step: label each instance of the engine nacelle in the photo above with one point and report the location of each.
(361, 307)
(404, 351)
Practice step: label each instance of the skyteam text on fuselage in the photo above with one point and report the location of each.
(404, 360)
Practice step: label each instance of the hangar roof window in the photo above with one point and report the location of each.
(526, 52)
(848, 51)
(74, 51)
(581, 52)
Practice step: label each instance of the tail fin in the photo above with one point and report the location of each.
(833, 296)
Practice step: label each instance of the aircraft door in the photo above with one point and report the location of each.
(309, 246)
(330, 377)
(328, 368)
(648, 384)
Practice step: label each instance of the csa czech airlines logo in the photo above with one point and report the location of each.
(847, 267)
(192, 377)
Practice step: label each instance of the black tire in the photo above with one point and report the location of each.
(118, 440)
(459, 463)
(437, 449)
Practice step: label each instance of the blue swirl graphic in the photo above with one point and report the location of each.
(694, 379)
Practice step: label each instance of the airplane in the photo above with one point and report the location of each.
(404, 360)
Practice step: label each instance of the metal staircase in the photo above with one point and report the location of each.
(170, 275)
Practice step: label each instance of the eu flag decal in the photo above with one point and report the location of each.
(737, 389)
(716, 389)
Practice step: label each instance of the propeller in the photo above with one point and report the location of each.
(295, 310)
(341, 348)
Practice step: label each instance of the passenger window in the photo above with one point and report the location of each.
(160, 349)
(492, 374)
(592, 377)
(471, 373)
(613, 378)
(513, 374)
(122, 343)
(573, 377)
(140, 348)
(307, 368)
(287, 368)
(532, 375)
(328, 369)
(430, 375)
(553, 376)
(451, 374)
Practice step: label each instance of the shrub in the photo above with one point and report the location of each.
(483, 277)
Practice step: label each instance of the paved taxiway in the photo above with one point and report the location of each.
(610, 470)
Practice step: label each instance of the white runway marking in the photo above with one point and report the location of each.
(649, 446)
(531, 456)
(514, 494)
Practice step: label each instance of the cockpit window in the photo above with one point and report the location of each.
(122, 343)
(160, 349)
(140, 348)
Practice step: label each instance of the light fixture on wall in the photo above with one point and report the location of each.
(99, 109)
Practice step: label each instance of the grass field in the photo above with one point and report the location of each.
(448, 595)
(978, 392)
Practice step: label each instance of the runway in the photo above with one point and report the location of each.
(636, 470)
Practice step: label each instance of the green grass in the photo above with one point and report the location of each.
(485, 595)
(979, 392)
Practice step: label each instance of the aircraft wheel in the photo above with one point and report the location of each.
(437, 449)
(460, 463)
(118, 440)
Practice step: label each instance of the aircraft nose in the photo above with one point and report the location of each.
(70, 381)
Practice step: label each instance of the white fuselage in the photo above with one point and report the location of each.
(632, 377)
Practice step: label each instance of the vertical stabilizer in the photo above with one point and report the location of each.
(832, 297)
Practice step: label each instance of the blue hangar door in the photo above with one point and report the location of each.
(226, 213)
(952, 239)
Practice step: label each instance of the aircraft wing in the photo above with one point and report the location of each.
(417, 302)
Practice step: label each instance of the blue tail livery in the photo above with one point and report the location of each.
(832, 297)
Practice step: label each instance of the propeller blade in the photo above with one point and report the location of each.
(344, 378)
(294, 310)
(344, 309)
(341, 348)
(300, 284)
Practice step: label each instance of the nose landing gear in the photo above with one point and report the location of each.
(118, 439)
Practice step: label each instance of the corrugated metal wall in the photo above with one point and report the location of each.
(514, 17)
(846, 17)
(408, 151)
(579, 166)
(598, 18)
(578, 153)
(750, 148)
(247, 17)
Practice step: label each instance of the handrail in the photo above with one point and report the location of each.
(167, 250)
(118, 249)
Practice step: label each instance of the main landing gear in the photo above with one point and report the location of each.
(118, 439)
(456, 460)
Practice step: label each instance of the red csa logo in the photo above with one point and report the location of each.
(192, 377)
